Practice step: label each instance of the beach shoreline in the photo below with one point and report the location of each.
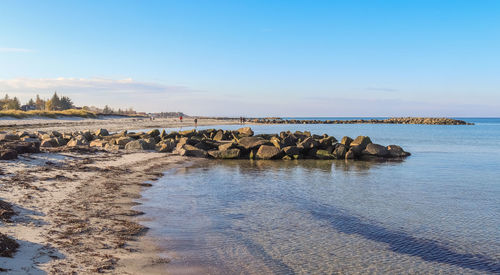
(73, 212)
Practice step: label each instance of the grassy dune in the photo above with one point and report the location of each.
(50, 114)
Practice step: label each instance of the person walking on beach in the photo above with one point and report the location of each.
(195, 122)
(180, 118)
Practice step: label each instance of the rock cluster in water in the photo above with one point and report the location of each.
(211, 143)
(394, 120)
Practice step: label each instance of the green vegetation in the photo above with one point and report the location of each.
(56, 106)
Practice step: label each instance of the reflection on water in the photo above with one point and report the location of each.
(324, 217)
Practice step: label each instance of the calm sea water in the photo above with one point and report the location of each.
(438, 211)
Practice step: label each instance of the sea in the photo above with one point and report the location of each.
(436, 212)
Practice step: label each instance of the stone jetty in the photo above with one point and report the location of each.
(394, 120)
(211, 143)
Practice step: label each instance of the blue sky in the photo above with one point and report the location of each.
(258, 58)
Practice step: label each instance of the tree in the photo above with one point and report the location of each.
(39, 103)
(12, 104)
(31, 102)
(66, 103)
(107, 110)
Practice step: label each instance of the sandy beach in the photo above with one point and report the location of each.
(72, 209)
(111, 123)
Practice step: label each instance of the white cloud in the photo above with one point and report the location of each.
(15, 50)
(87, 85)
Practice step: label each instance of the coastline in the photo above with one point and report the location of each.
(74, 211)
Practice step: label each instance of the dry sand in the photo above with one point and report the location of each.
(74, 212)
(110, 123)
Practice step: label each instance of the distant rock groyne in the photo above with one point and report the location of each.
(210, 143)
(394, 120)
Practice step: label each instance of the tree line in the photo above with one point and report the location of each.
(56, 103)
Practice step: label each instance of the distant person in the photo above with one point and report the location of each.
(195, 122)
(180, 118)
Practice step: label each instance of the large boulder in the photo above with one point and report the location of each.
(290, 140)
(122, 141)
(226, 146)
(361, 141)
(78, 141)
(101, 133)
(49, 142)
(327, 142)
(245, 132)
(8, 137)
(7, 154)
(165, 146)
(191, 151)
(276, 142)
(267, 152)
(249, 143)
(340, 151)
(291, 150)
(324, 154)
(396, 151)
(308, 143)
(139, 144)
(98, 143)
(225, 154)
(154, 133)
(376, 150)
(188, 133)
(346, 141)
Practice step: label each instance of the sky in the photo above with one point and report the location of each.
(257, 58)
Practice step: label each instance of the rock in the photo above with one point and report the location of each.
(111, 147)
(8, 137)
(8, 154)
(165, 146)
(225, 154)
(376, 150)
(396, 151)
(350, 155)
(268, 152)
(139, 144)
(327, 142)
(49, 142)
(187, 133)
(245, 132)
(340, 151)
(249, 143)
(276, 142)
(31, 140)
(55, 134)
(22, 147)
(191, 151)
(226, 146)
(163, 134)
(291, 150)
(290, 140)
(122, 141)
(308, 143)
(98, 143)
(154, 133)
(324, 154)
(361, 141)
(219, 135)
(87, 135)
(77, 141)
(346, 141)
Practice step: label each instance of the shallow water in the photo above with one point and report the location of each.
(438, 211)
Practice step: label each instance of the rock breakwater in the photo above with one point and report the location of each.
(394, 120)
(211, 143)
